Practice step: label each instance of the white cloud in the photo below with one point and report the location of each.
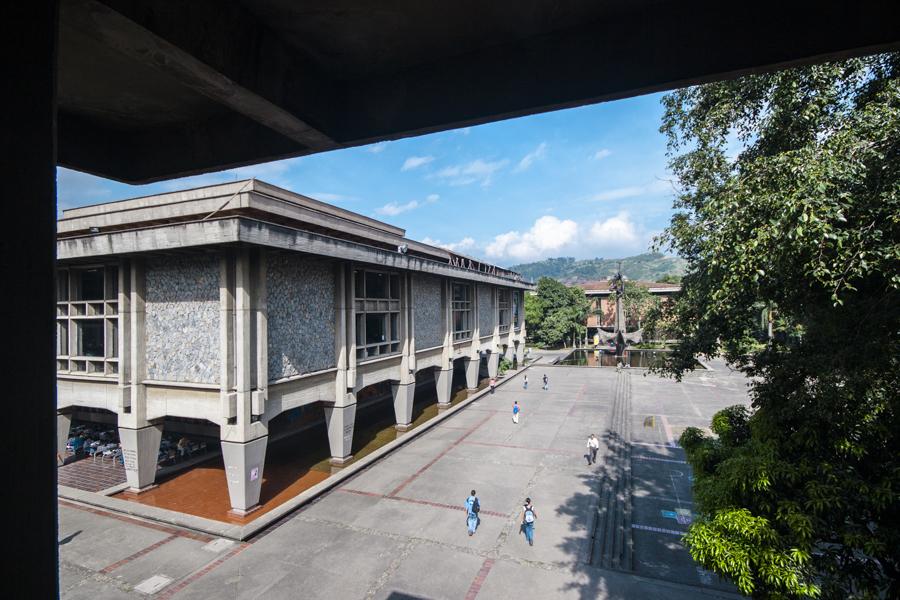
(619, 229)
(414, 162)
(546, 237)
(394, 208)
(529, 158)
(632, 191)
(476, 171)
(602, 153)
(462, 245)
(463, 131)
(376, 148)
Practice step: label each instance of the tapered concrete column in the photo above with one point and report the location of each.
(140, 452)
(404, 395)
(63, 425)
(520, 353)
(493, 364)
(443, 379)
(510, 351)
(244, 463)
(472, 365)
(340, 421)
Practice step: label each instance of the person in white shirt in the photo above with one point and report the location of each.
(593, 445)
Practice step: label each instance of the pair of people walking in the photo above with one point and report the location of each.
(528, 517)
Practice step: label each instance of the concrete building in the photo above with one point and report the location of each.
(602, 312)
(233, 303)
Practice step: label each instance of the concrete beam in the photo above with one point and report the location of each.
(213, 48)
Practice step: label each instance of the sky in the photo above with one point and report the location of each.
(584, 182)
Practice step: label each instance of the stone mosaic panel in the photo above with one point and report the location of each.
(301, 315)
(427, 313)
(182, 319)
(485, 311)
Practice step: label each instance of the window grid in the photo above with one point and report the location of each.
(87, 320)
(461, 307)
(503, 309)
(377, 310)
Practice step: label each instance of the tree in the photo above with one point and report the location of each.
(638, 302)
(790, 200)
(556, 313)
(669, 278)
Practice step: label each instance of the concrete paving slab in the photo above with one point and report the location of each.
(175, 559)
(410, 578)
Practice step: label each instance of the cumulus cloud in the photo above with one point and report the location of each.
(532, 156)
(376, 148)
(395, 208)
(463, 245)
(414, 162)
(602, 153)
(476, 171)
(552, 237)
(546, 237)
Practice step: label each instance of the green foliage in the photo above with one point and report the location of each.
(790, 203)
(669, 278)
(638, 302)
(652, 266)
(556, 313)
(504, 366)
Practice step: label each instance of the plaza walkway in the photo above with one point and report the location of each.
(397, 530)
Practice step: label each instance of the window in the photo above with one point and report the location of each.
(503, 309)
(462, 311)
(515, 298)
(87, 320)
(377, 308)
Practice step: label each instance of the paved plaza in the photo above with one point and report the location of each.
(397, 529)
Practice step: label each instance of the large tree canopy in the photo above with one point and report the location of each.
(790, 199)
(556, 313)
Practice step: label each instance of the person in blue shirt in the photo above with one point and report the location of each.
(528, 517)
(473, 507)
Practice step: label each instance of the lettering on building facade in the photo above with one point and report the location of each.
(463, 262)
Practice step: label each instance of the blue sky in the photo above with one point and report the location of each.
(584, 182)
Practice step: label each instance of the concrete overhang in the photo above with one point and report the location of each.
(154, 89)
(225, 231)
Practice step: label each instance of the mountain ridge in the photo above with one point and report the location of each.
(650, 266)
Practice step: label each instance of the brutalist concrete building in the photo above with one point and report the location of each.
(234, 303)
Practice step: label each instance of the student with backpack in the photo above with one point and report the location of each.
(528, 517)
(525, 382)
(516, 412)
(546, 382)
(473, 507)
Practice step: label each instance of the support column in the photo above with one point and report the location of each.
(340, 421)
(472, 365)
(493, 364)
(244, 432)
(139, 437)
(140, 450)
(244, 464)
(404, 395)
(443, 379)
(63, 426)
(510, 351)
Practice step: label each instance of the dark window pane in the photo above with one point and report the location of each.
(62, 286)
(395, 327)
(375, 328)
(91, 334)
(360, 284)
(395, 287)
(360, 330)
(460, 292)
(376, 285)
(91, 284)
(112, 275)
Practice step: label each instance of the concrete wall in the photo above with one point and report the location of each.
(429, 318)
(182, 319)
(300, 315)
(485, 310)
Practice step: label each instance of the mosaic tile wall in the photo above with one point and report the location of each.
(429, 318)
(182, 319)
(485, 311)
(301, 315)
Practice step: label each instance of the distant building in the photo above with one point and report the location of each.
(602, 313)
(228, 305)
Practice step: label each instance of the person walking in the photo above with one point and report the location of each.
(525, 382)
(528, 517)
(546, 382)
(473, 507)
(516, 412)
(493, 383)
(593, 445)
